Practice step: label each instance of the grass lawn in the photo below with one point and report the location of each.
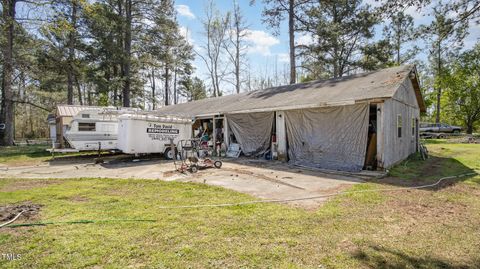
(34, 154)
(23, 154)
(431, 228)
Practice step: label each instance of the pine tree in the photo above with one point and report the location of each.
(445, 39)
(293, 10)
(342, 29)
(398, 32)
(7, 110)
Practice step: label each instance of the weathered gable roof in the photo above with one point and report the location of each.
(72, 110)
(379, 84)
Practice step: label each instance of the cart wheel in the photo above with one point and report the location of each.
(193, 169)
(217, 164)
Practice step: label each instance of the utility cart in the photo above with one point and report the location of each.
(193, 157)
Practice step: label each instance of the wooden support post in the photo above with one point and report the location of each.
(214, 133)
(281, 134)
(380, 135)
(226, 132)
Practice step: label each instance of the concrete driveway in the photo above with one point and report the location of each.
(262, 179)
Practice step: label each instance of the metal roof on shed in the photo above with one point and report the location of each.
(380, 84)
(72, 110)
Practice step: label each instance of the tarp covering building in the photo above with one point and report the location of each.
(328, 137)
(253, 131)
(350, 123)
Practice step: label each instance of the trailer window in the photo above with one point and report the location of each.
(399, 125)
(86, 127)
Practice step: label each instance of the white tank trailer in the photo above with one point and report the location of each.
(143, 134)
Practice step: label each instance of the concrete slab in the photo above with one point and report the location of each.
(262, 179)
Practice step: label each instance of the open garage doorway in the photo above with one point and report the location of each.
(211, 133)
(371, 152)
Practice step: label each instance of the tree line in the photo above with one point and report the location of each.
(134, 53)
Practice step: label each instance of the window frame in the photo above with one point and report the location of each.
(88, 125)
(399, 125)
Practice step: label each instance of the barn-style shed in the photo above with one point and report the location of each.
(367, 120)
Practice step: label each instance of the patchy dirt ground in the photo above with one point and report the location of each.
(29, 211)
(263, 179)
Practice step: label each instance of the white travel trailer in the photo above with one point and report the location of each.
(94, 129)
(146, 133)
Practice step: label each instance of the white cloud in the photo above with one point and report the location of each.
(260, 42)
(185, 11)
(305, 40)
(186, 33)
(284, 57)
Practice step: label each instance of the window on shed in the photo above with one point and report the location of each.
(86, 126)
(85, 116)
(399, 125)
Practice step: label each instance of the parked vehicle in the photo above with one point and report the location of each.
(439, 128)
(95, 129)
(144, 133)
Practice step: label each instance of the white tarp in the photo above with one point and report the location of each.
(252, 130)
(330, 137)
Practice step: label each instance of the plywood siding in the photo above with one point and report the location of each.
(406, 94)
(395, 148)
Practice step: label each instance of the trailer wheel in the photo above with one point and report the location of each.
(169, 154)
(193, 169)
(217, 164)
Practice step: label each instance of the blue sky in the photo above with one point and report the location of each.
(267, 49)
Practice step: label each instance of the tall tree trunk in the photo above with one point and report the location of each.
(336, 58)
(71, 53)
(469, 127)
(89, 97)
(79, 90)
(167, 90)
(398, 45)
(398, 51)
(7, 114)
(115, 89)
(175, 97)
(237, 60)
(154, 99)
(128, 51)
(291, 33)
(439, 90)
(212, 75)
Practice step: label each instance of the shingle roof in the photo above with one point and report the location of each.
(379, 84)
